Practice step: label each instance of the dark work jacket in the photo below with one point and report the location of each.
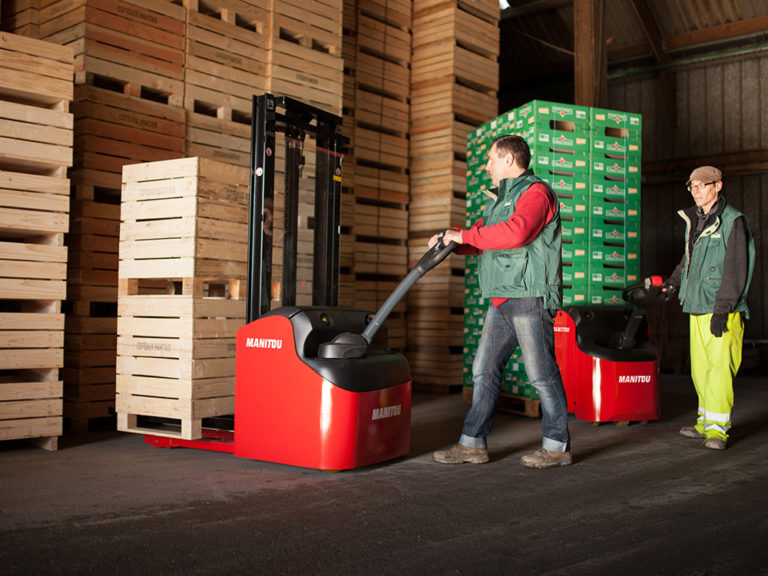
(533, 270)
(716, 269)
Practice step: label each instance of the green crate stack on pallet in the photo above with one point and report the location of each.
(591, 159)
(615, 204)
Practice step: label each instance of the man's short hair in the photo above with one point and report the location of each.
(515, 145)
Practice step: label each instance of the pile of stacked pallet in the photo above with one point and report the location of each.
(129, 77)
(183, 246)
(377, 123)
(305, 63)
(36, 135)
(591, 159)
(454, 81)
(225, 64)
(305, 55)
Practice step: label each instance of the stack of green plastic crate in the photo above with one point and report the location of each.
(591, 159)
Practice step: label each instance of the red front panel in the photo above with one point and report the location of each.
(285, 412)
(602, 390)
(617, 391)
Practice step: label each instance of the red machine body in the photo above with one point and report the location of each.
(604, 384)
(287, 412)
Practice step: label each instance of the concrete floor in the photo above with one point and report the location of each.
(638, 499)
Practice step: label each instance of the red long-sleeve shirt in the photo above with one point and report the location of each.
(535, 208)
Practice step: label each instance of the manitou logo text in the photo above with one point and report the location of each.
(386, 412)
(271, 343)
(634, 379)
(565, 329)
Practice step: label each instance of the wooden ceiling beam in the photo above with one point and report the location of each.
(534, 7)
(716, 34)
(590, 53)
(733, 164)
(653, 34)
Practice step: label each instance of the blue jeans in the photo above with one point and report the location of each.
(526, 323)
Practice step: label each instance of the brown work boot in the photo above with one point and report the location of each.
(714, 443)
(458, 454)
(544, 458)
(690, 432)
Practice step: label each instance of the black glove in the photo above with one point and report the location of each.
(668, 290)
(718, 324)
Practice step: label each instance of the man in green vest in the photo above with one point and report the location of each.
(518, 241)
(712, 281)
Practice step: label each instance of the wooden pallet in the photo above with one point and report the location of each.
(176, 360)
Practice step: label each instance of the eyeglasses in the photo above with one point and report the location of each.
(698, 186)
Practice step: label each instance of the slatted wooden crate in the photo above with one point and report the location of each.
(487, 10)
(382, 39)
(36, 137)
(227, 60)
(181, 296)
(21, 17)
(315, 25)
(113, 129)
(441, 101)
(383, 76)
(393, 12)
(306, 74)
(135, 43)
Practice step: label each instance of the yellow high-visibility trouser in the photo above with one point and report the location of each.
(714, 363)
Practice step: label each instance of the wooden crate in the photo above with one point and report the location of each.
(184, 218)
(221, 140)
(36, 72)
(181, 294)
(446, 59)
(450, 20)
(440, 102)
(21, 17)
(315, 25)
(31, 405)
(176, 361)
(384, 40)
(376, 110)
(380, 148)
(393, 12)
(311, 76)
(383, 76)
(130, 42)
(227, 57)
(114, 129)
(372, 221)
(487, 10)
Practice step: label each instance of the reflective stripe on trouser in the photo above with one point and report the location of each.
(714, 363)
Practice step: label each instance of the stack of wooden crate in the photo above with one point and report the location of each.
(454, 82)
(376, 99)
(183, 247)
(36, 136)
(129, 76)
(226, 63)
(305, 55)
